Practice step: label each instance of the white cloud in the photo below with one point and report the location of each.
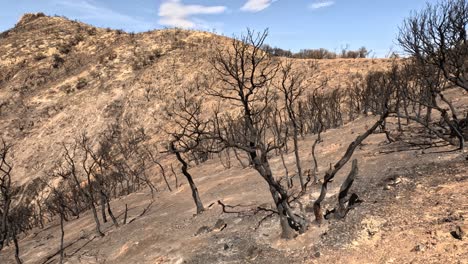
(321, 4)
(176, 14)
(88, 10)
(256, 5)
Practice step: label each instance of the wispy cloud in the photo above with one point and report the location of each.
(321, 4)
(89, 10)
(177, 14)
(256, 5)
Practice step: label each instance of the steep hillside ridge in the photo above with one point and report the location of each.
(59, 78)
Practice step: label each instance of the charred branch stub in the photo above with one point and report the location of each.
(329, 175)
(342, 208)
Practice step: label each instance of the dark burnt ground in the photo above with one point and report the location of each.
(405, 218)
(406, 214)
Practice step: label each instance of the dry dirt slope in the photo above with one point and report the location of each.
(59, 78)
(412, 200)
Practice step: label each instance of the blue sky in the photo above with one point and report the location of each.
(293, 24)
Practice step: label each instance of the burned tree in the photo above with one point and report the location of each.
(381, 89)
(77, 167)
(244, 75)
(161, 167)
(187, 136)
(417, 92)
(291, 88)
(6, 191)
(329, 175)
(437, 36)
(436, 40)
(11, 220)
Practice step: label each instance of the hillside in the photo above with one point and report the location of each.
(399, 221)
(59, 78)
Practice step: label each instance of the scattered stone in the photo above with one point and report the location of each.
(203, 230)
(371, 232)
(253, 252)
(457, 233)
(226, 246)
(387, 187)
(317, 254)
(220, 225)
(309, 208)
(419, 248)
(397, 181)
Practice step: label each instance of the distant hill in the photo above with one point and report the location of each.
(59, 78)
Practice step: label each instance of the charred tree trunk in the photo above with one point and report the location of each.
(287, 232)
(17, 252)
(280, 197)
(5, 210)
(125, 215)
(298, 159)
(193, 187)
(96, 220)
(175, 176)
(315, 170)
(109, 211)
(164, 176)
(62, 235)
(286, 171)
(342, 209)
(163, 172)
(103, 206)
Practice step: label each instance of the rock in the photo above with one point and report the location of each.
(457, 233)
(253, 252)
(220, 225)
(203, 230)
(226, 246)
(419, 248)
(317, 254)
(387, 187)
